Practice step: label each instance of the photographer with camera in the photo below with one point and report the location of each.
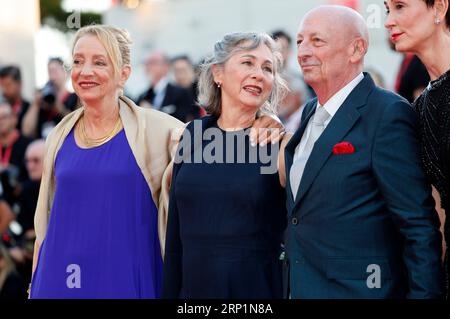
(50, 104)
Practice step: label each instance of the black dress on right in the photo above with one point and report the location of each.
(433, 107)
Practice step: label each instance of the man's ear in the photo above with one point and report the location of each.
(217, 73)
(359, 50)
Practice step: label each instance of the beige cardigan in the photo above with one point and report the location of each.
(149, 134)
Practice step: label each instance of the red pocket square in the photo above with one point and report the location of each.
(343, 148)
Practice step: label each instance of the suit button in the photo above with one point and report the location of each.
(294, 221)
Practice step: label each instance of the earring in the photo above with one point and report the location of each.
(437, 21)
(218, 85)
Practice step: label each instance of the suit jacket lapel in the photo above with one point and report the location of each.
(341, 123)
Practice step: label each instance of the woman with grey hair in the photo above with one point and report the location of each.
(227, 202)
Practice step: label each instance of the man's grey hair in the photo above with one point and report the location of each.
(209, 96)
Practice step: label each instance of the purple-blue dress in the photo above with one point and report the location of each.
(102, 238)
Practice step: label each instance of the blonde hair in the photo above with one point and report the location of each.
(117, 43)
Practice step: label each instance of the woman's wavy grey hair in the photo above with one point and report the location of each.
(209, 96)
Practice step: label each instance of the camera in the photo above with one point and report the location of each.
(49, 93)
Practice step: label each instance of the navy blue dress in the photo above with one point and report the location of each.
(226, 220)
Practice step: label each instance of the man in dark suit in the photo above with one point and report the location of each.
(361, 217)
(164, 96)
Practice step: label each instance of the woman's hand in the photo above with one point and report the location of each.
(266, 129)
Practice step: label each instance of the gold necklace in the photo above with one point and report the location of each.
(94, 142)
